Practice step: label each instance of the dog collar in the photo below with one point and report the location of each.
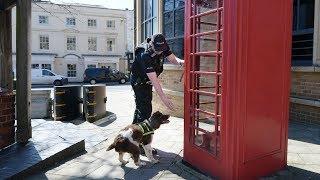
(146, 128)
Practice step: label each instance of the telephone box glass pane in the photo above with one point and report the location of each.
(206, 74)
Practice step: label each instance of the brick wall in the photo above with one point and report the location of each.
(173, 88)
(7, 118)
(177, 100)
(305, 86)
(170, 79)
(304, 113)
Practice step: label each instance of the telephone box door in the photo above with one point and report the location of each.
(203, 86)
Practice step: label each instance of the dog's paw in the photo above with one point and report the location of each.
(123, 163)
(142, 164)
(155, 161)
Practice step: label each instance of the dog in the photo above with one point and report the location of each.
(132, 136)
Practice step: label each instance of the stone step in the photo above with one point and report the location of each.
(44, 150)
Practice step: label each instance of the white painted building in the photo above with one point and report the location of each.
(68, 38)
(130, 30)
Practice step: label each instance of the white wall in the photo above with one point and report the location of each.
(57, 30)
(130, 30)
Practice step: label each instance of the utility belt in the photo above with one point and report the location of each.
(140, 82)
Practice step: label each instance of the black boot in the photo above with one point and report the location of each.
(154, 151)
(141, 150)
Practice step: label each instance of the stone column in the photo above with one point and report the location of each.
(23, 70)
(160, 16)
(138, 29)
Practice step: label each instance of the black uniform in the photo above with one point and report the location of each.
(145, 62)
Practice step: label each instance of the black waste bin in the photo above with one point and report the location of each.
(67, 102)
(94, 102)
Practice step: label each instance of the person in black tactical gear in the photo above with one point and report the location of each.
(147, 66)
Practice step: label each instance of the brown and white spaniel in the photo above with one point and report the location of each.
(132, 136)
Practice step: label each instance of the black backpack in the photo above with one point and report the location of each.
(140, 49)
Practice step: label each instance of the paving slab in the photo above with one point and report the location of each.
(44, 150)
(303, 145)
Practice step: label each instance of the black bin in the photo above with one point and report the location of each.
(67, 102)
(94, 102)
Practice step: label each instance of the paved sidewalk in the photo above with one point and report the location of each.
(303, 153)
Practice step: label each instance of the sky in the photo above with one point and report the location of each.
(114, 4)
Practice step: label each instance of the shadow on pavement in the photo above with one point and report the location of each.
(309, 133)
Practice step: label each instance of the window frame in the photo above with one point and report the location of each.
(68, 20)
(44, 21)
(113, 24)
(35, 66)
(112, 45)
(174, 19)
(152, 19)
(297, 31)
(68, 44)
(92, 23)
(72, 70)
(91, 46)
(173, 11)
(45, 66)
(46, 42)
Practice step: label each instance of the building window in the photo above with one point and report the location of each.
(302, 39)
(71, 21)
(92, 23)
(111, 24)
(44, 42)
(173, 25)
(91, 66)
(72, 70)
(43, 20)
(46, 66)
(110, 44)
(34, 66)
(92, 43)
(149, 19)
(71, 43)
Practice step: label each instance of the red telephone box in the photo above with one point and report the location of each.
(237, 55)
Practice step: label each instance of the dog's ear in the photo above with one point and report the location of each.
(157, 113)
(165, 119)
(167, 116)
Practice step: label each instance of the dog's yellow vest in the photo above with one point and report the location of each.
(146, 129)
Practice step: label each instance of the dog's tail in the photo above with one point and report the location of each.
(112, 146)
(119, 144)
